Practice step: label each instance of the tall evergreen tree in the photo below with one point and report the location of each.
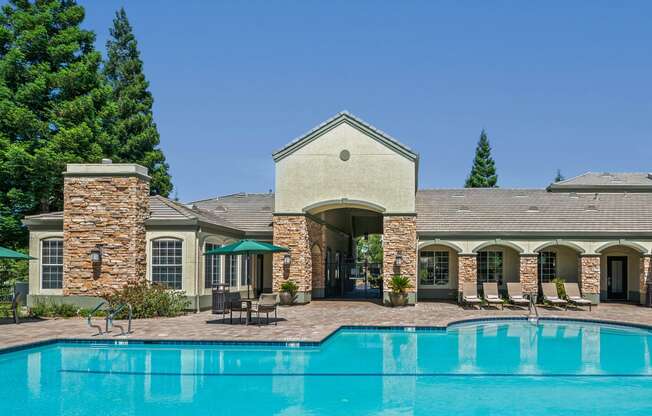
(133, 124)
(559, 177)
(52, 104)
(483, 172)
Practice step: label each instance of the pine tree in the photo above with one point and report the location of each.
(559, 176)
(132, 125)
(52, 107)
(483, 172)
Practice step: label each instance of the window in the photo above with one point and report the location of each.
(547, 266)
(212, 267)
(52, 264)
(490, 266)
(433, 268)
(167, 263)
(231, 270)
(245, 270)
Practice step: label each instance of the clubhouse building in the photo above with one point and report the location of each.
(343, 180)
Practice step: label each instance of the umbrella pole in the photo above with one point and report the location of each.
(247, 276)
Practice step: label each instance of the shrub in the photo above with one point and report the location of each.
(399, 283)
(289, 286)
(559, 282)
(148, 300)
(52, 309)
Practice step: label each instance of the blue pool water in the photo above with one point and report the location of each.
(500, 367)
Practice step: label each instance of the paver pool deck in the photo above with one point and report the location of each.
(312, 322)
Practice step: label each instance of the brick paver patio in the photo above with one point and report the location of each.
(312, 322)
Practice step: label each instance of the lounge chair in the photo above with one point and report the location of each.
(470, 294)
(236, 305)
(550, 295)
(266, 304)
(574, 296)
(515, 294)
(490, 294)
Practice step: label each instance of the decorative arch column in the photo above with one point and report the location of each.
(400, 238)
(645, 276)
(528, 276)
(588, 275)
(467, 271)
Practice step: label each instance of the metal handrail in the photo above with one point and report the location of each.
(112, 315)
(14, 306)
(532, 306)
(90, 317)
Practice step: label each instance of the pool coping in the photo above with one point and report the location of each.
(299, 343)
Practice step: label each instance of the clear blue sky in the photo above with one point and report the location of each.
(557, 84)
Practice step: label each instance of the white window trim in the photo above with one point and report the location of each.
(151, 258)
(48, 291)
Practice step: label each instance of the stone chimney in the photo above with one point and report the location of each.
(105, 206)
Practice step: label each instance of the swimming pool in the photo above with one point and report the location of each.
(491, 367)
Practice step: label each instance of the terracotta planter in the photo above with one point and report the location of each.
(398, 299)
(286, 298)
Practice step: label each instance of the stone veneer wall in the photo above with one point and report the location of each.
(291, 231)
(317, 237)
(400, 236)
(108, 210)
(589, 276)
(467, 271)
(645, 276)
(528, 275)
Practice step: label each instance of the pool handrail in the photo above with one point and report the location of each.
(112, 315)
(90, 317)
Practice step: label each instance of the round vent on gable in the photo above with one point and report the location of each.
(345, 155)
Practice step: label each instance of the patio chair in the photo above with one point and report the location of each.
(574, 296)
(266, 304)
(515, 294)
(550, 295)
(470, 294)
(490, 294)
(236, 304)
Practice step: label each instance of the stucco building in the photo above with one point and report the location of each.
(342, 180)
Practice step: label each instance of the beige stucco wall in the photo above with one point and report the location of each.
(374, 173)
(204, 238)
(35, 238)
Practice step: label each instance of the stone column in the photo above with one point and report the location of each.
(400, 237)
(291, 231)
(317, 236)
(467, 271)
(104, 204)
(589, 276)
(528, 273)
(645, 276)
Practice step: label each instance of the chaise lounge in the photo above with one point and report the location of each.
(470, 294)
(515, 294)
(574, 296)
(551, 296)
(490, 294)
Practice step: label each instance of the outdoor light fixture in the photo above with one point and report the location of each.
(96, 254)
(398, 259)
(287, 259)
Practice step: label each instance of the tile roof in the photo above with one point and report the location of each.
(251, 213)
(606, 180)
(536, 211)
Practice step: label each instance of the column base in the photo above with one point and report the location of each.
(412, 299)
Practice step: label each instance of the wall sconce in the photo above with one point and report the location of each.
(398, 260)
(287, 260)
(96, 254)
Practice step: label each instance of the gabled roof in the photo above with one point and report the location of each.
(251, 213)
(166, 211)
(605, 182)
(346, 117)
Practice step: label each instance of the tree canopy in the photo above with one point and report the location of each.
(132, 123)
(483, 173)
(57, 106)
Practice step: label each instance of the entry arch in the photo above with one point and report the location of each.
(327, 205)
(563, 243)
(499, 242)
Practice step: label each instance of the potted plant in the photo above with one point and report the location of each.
(399, 285)
(289, 290)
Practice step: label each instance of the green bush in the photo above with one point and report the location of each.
(148, 300)
(52, 309)
(289, 286)
(399, 283)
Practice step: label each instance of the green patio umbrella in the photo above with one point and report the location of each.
(5, 253)
(246, 247)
